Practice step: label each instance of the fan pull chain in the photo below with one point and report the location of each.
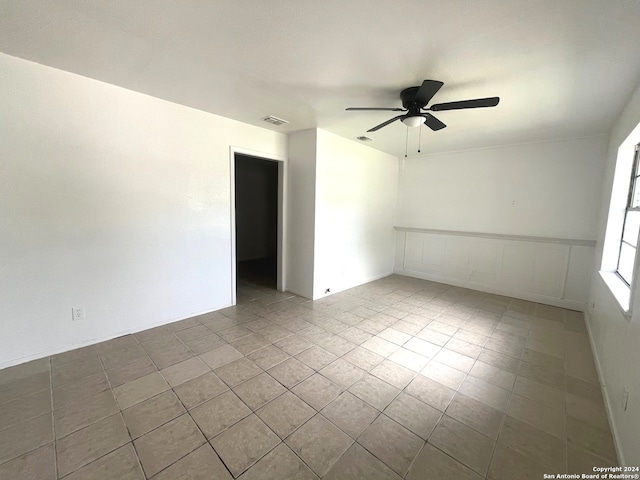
(406, 143)
(420, 138)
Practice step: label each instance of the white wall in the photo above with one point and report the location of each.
(301, 213)
(555, 187)
(111, 200)
(356, 196)
(616, 338)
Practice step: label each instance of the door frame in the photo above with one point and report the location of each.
(282, 219)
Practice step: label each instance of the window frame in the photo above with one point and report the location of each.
(633, 188)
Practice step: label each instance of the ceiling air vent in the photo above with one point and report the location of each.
(274, 120)
(362, 138)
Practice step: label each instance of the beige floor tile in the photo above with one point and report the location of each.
(166, 444)
(363, 358)
(591, 439)
(392, 443)
(285, 414)
(380, 346)
(184, 371)
(316, 357)
(357, 464)
(280, 463)
(121, 464)
(92, 442)
(88, 411)
(268, 357)
(587, 411)
(24, 408)
(219, 413)
(433, 464)
(121, 375)
(136, 391)
(476, 415)
(161, 344)
(203, 345)
(395, 336)
(355, 335)
(493, 375)
(243, 444)
(75, 370)
(201, 464)
(538, 358)
(317, 391)
(507, 463)
(464, 444)
(584, 389)
(430, 392)
(537, 415)
(544, 394)
(319, 444)
(455, 360)
(433, 336)
(541, 374)
(166, 358)
(406, 327)
(220, 356)
(152, 413)
(444, 374)
(337, 345)
(193, 333)
(486, 393)
(393, 374)
(76, 391)
(580, 461)
(422, 347)
(409, 359)
(250, 343)
(200, 389)
(503, 362)
(259, 390)
(413, 414)
(290, 372)
(26, 436)
(123, 356)
(531, 442)
(237, 372)
(293, 344)
(350, 414)
(15, 386)
(506, 347)
(342, 373)
(374, 391)
(38, 464)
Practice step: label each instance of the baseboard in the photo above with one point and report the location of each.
(531, 297)
(354, 285)
(93, 341)
(605, 393)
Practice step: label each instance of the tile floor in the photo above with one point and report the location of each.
(399, 378)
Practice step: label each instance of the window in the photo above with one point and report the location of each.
(631, 226)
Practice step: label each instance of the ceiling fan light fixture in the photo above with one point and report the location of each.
(413, 121)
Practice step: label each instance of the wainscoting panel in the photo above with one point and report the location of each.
(554, 271)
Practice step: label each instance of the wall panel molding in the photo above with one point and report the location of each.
(541, 269)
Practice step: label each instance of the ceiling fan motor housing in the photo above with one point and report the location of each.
(408, 96)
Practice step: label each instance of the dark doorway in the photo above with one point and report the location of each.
(256, 192)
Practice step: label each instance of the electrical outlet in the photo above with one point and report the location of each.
(77, 313)
(625, 398)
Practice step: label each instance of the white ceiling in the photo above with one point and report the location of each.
(563, 68)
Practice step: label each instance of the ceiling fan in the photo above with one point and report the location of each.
(415, 100)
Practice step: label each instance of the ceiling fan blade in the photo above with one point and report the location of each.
(375, 108)
(477, 103)
(433, 123)
(378, 127)
(426, 92)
